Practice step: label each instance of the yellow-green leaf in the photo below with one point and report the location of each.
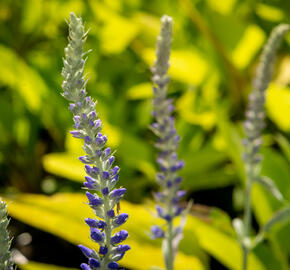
(269, 13)
(65, 165)
(21, 78)
(224, 7)
(116, 31)
(188, 66)
(278, 104)
(186, 106)
(63, 215)
(248, 46)
(140, 91)
(221, 246)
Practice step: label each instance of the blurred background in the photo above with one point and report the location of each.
(215, 51)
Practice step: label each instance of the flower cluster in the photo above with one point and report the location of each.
(102, 176)
(254, 125)
(168, 140)
(255, 115)
(5, 255)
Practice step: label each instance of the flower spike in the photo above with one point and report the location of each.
(101, 178)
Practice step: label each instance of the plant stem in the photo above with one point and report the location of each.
(170, 259)
(247, 220)
(247, 212)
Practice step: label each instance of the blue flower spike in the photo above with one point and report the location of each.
(102, 176)
(167, 144)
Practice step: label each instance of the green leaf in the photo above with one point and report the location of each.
(280, 218)
(269, 184)
(232, 142)
(275, 167)
(221, 246)
(284, 145)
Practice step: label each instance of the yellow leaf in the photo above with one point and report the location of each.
(278, 106)
(66, 165)
(269, 13)
(187, 66)
(63, 215)
(211, 238)
(20, 77)
(224, 7)
(250, 43)
(116, 31)
(32, 15)
(140, 91)
(148, 24)
(186, 108)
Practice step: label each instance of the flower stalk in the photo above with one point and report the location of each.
(5, 241)
(167, 145)
(102, 176)
(254, 125)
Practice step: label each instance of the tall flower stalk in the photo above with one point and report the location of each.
(254, 125)
(167, 145)
(5, 241)
(102, 176)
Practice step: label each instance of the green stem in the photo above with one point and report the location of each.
(247, 214)
(108, 231)
(170, 259)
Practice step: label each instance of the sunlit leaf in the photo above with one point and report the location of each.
(116, 31)
(188, 66)
(187, 108)
(21, 78)
(31, 19)
(63, 215)
(65, 165)
(269, 13)
(223, 7)
(222, 246)
(278, 104)
(140, 91)
(133, 151)
(248, 46)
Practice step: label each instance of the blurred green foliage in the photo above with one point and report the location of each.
(215, 51)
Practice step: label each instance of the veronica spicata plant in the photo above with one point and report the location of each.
(5, 241)
(254, 125)
(102, 176)
(167, 144)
